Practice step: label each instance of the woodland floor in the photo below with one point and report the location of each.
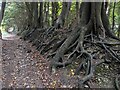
(23, 66)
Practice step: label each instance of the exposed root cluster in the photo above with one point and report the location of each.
(94, 52)
(91, 43)
(117, 86)
(90, 50)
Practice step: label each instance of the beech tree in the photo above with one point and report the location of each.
(92, 31)
(61, 18)
(2, 13)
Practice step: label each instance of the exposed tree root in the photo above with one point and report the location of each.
(29, 34)
(88, 62)
(117, 85)
(88, 43)
(50, 30)
(76, 47)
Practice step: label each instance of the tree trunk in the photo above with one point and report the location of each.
(53, 13)
(40, 19)
(109, 9)
(61, 19)
(45, 6)
(35, 14)
(77, 12)
(2, 11)
(118, 31)
(56, 9)
(91, 32)
(113, 17)
(47, 15)
(29, 8)
(2, 14)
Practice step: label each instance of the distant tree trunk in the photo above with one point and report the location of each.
(29, 8)
(113, 17)
(53, 13)
(118, 31)
(2, 11)
(2, 14)
(77, 12)
(40, 19)
(45, 6)
(61, 19)
(109, 9)
(59, 23)
(106, 6)
(47, 15)
(56, 9)
(35, 14)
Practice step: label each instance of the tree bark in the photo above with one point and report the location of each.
(109, 9)
(61, 19)
(56, 9)
(45, 10)
(29, 8)
(35, 14)
(118, 31)
(40, 19)
(47, 15)
(2, 11)
(94, 25)
(53, 13)
(113, 17)
(2, 14)
(77, 12)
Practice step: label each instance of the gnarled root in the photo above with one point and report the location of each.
(77, 50)
(116, 81)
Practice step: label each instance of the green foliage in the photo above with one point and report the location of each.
(13, 14)
(116, 15)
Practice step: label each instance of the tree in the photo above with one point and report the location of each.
(29, 8)
(118, 31)
(40, 18)
(47, 15)
(54, 11)
(113, 18)
(77, 11)
(61, 19)
(93, 31)
(2, 13)
(59, 23)
(35, 14)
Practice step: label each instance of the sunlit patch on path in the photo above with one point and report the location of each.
(8, 36)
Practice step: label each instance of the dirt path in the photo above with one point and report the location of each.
(20, 64)
(24, 67)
